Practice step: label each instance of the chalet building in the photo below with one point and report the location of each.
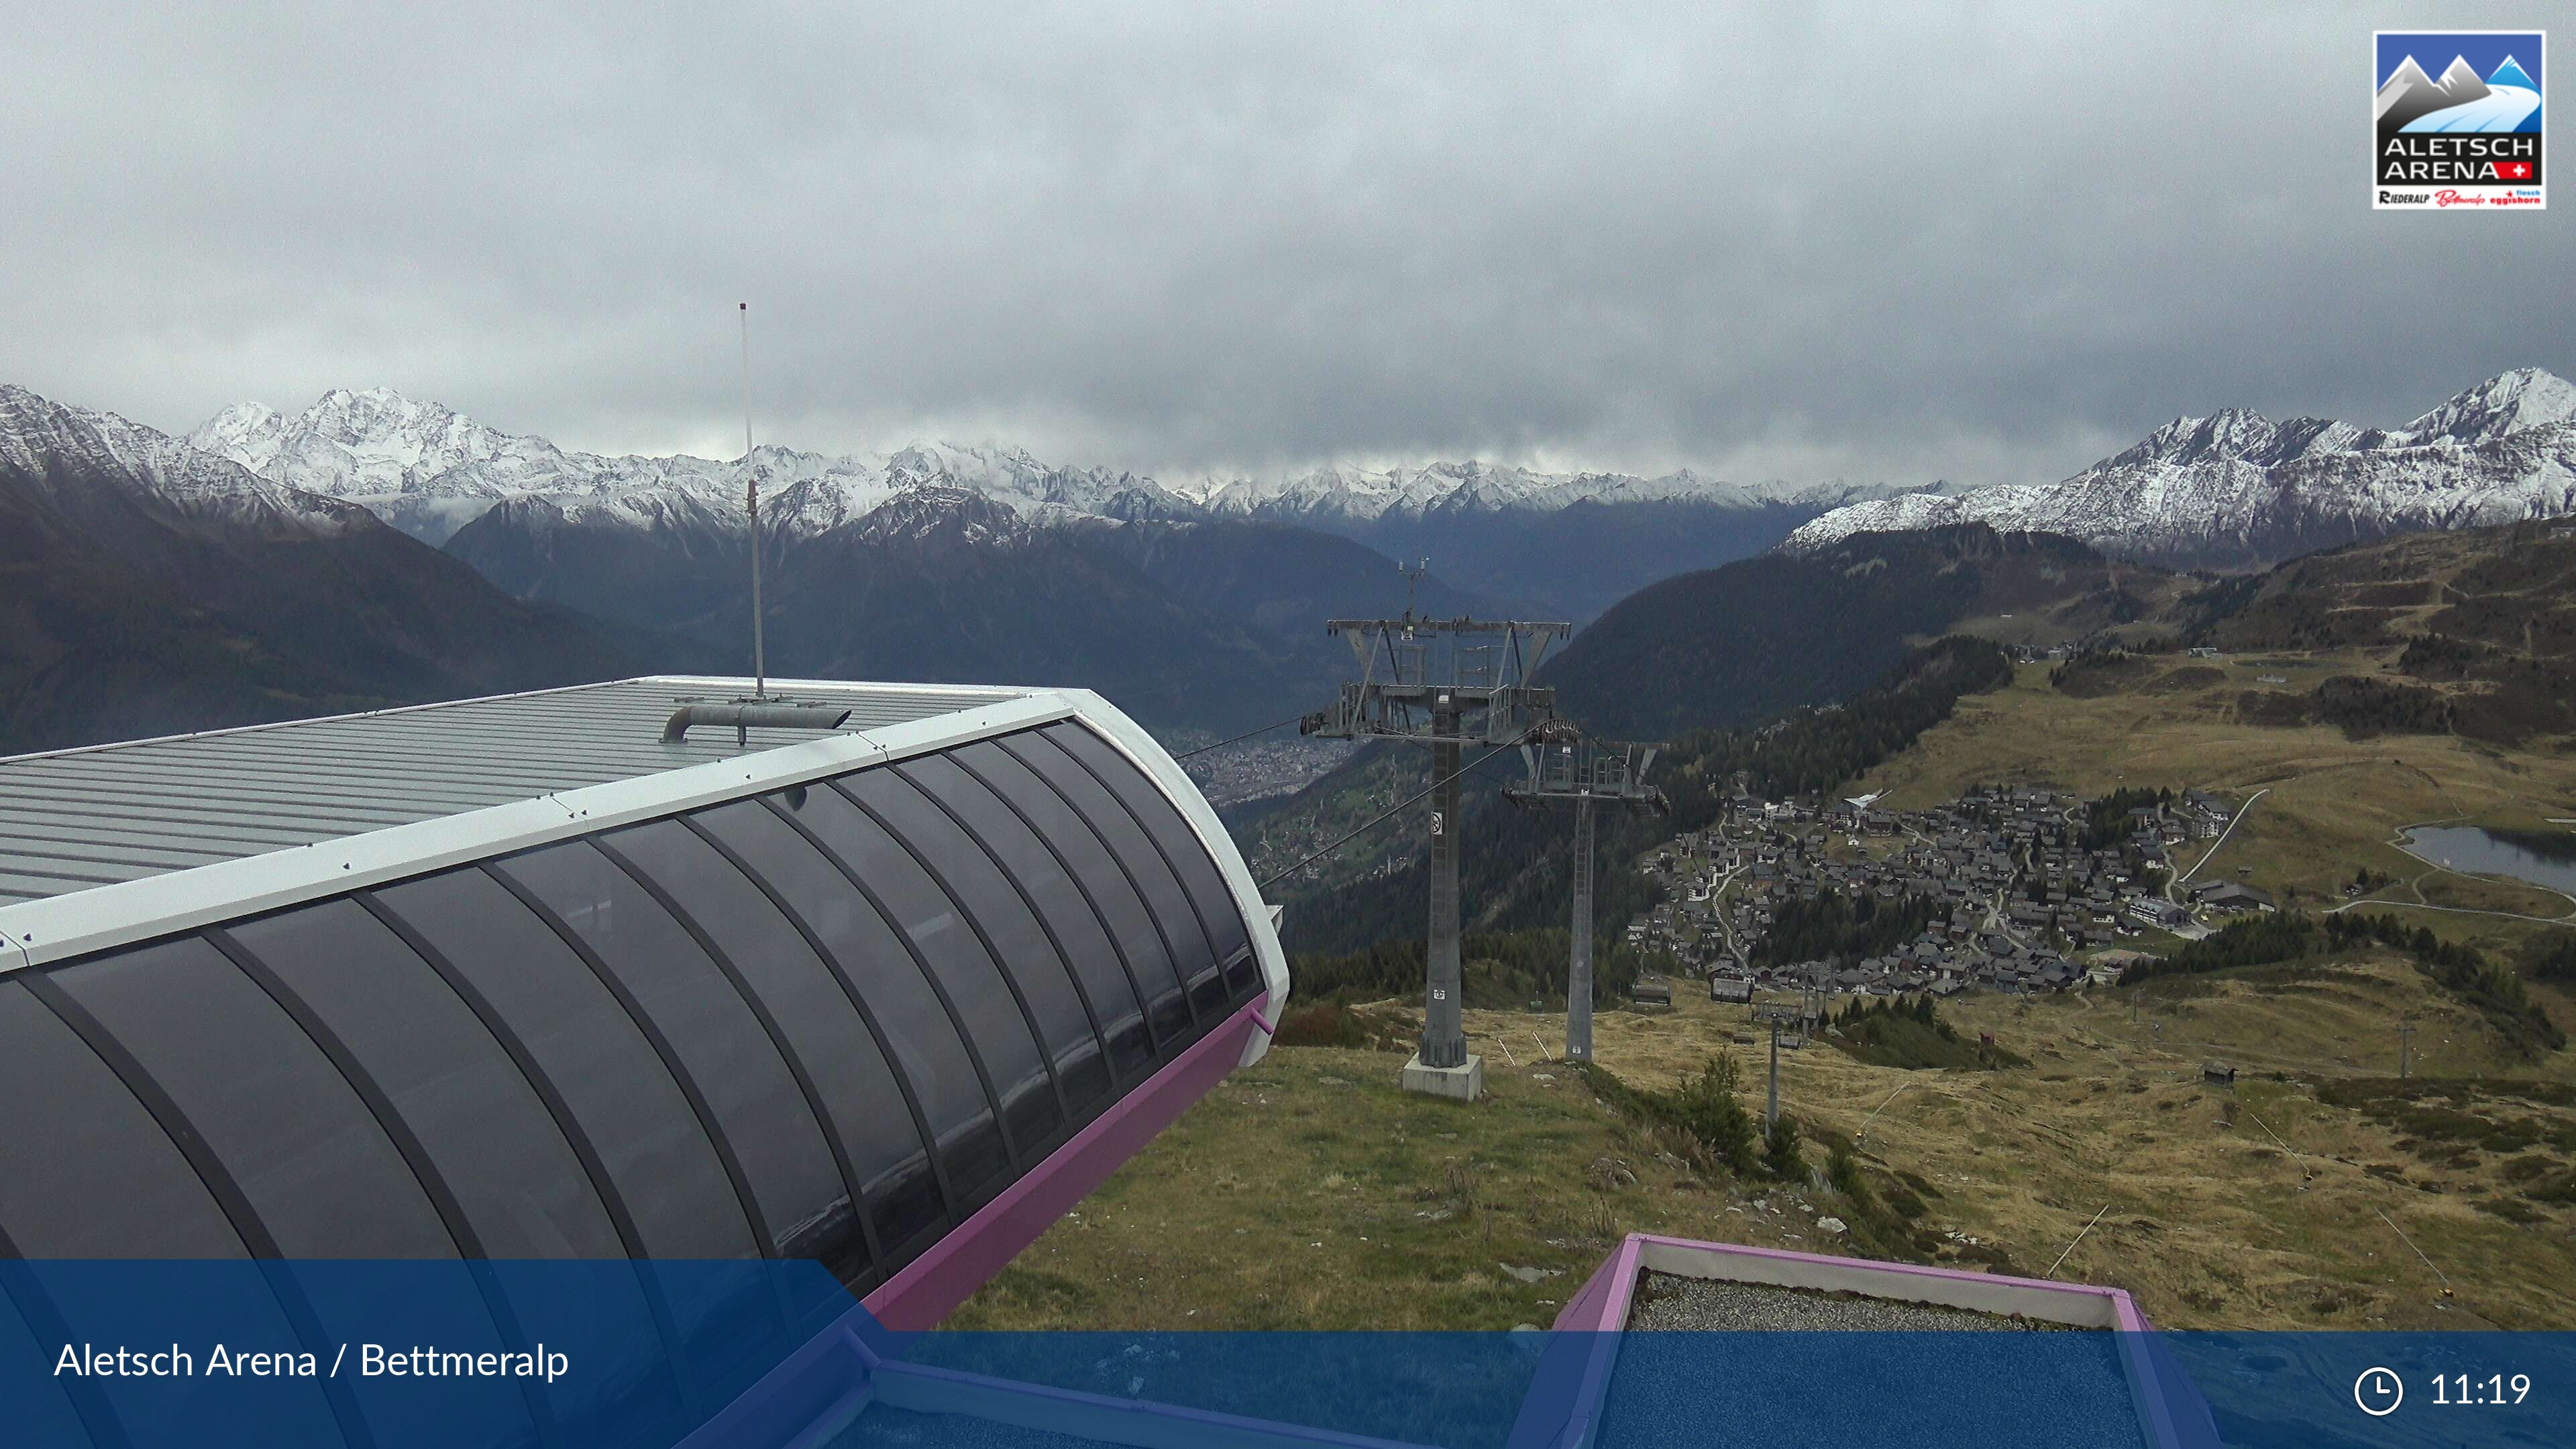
(2230, 898)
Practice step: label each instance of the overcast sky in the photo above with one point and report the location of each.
(1798, 241)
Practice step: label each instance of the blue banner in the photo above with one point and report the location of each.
(650, 1355)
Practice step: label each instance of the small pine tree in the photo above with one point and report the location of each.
(1780, 1150)
(1711, 1113)
(1842, 1169)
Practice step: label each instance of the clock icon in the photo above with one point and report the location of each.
(2378, 1391)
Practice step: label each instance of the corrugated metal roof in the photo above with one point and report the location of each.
(74, 819)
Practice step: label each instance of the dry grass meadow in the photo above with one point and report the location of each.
(1308, 1192)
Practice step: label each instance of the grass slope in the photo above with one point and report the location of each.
(1307, 1192)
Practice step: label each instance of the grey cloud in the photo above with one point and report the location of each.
(1788, 241)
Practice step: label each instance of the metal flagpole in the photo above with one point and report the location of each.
(751, 505)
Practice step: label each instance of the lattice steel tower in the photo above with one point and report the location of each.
(1583, 775)
(1445, 683)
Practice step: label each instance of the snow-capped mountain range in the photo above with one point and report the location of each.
(1364, 494)
(2237, 488)
(430, 470)
(2231, 489)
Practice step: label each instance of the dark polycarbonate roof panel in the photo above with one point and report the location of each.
(74, 819)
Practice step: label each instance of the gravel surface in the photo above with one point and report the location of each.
(1898, 1375)
(1665, 1300)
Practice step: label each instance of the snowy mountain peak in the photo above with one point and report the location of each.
(380, 412)
(2236, 435)
(943, 513)
(423, 466)
(2510, 74)
(242, 432)
(2230, 433)
(2509, 402)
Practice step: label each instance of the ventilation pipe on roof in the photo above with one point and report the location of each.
(742, 717)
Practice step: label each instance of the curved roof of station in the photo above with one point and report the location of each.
(71, 820)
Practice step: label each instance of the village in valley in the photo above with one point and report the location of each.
(2003, 889)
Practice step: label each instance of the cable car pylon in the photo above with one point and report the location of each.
(1585, 774)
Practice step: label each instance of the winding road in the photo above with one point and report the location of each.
(2176, 883)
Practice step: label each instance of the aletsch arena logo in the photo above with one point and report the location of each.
(2466, 135)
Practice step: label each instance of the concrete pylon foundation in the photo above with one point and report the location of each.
(1464, 1082)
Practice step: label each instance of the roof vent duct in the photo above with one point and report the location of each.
(743, 717)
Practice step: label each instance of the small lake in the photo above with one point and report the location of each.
(2544, 858)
